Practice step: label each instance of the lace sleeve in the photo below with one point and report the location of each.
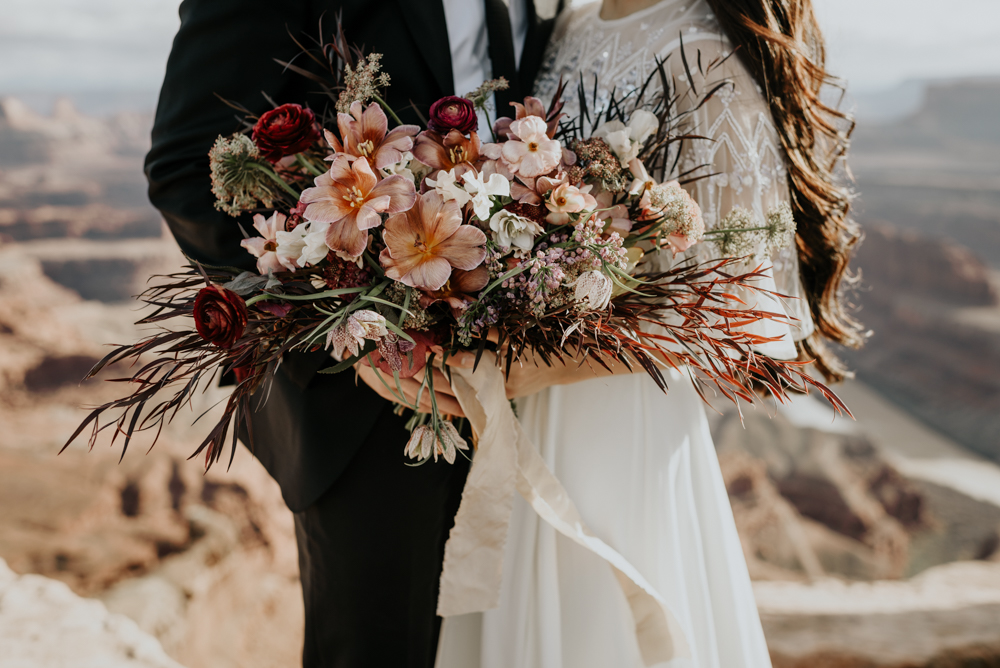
(743, 153)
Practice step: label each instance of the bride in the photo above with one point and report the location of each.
(640, 464)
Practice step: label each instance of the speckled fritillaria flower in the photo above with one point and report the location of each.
(424, 443)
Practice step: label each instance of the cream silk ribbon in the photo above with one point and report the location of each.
(507, 460)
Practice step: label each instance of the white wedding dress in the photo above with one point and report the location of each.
(639, 464)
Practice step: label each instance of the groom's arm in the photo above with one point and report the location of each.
(223, 47)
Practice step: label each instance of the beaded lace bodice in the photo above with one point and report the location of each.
(742, 149)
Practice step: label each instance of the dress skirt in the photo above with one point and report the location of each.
(641, 467)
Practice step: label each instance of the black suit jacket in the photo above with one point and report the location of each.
(311, 424)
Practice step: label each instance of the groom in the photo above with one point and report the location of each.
(370, 530)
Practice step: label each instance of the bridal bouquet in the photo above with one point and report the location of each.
(396, 246)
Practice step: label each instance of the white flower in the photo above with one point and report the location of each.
(626, 140)
(513, 231)
(448, 188)
(643, 124)
(408, 167)
(290, 245)
(780, 227)
(593, 287)
(314, 248)
(640, 176)
(482, 191)
(616, 135)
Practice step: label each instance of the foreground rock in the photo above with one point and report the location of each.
(947, 617)
(43, 624)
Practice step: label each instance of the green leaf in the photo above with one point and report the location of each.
(510, 274)
(321, 295)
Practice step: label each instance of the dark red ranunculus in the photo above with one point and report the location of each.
(286, 130)
(453, 113)
(220, 315)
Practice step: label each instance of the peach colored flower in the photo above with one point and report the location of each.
(532, 107)
(366, 135)
(458, 291)
(451, 151)
(565, 199)
(351, 199)
(425, 242)
(615, 217)
(532, 153)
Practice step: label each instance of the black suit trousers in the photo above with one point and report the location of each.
(370, 553)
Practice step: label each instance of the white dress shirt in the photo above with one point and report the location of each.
(469, 42)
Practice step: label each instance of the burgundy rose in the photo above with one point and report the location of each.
(453, 113)
(287, 130)
(220, 315)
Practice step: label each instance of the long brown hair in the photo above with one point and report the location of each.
(781, 44)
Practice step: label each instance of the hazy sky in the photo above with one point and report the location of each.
(74, 45)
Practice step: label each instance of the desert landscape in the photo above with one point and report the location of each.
(872, 544)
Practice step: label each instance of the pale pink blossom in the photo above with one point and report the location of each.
(532, 153)
(351, 198)
(266, 248)
(425, 242)
(566, 199)
(366, 135)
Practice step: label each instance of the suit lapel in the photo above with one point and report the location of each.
(541, 20)
(425, 19)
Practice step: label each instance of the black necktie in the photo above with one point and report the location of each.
(502, 54)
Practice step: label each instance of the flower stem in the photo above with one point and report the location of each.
(277, 179)
(387, 108)
(737, 229)
(311, 168)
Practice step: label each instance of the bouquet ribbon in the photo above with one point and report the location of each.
(506, 460)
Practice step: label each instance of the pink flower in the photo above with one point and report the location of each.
(532, 153)
(265, 247)
(675, 211)
(447, 152)
(532, 107)
(350, 198)
(364, 136)
(566, 199)
(615, 217)
(425, 242)
(458, 291)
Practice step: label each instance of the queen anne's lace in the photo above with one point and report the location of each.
(744, 152)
